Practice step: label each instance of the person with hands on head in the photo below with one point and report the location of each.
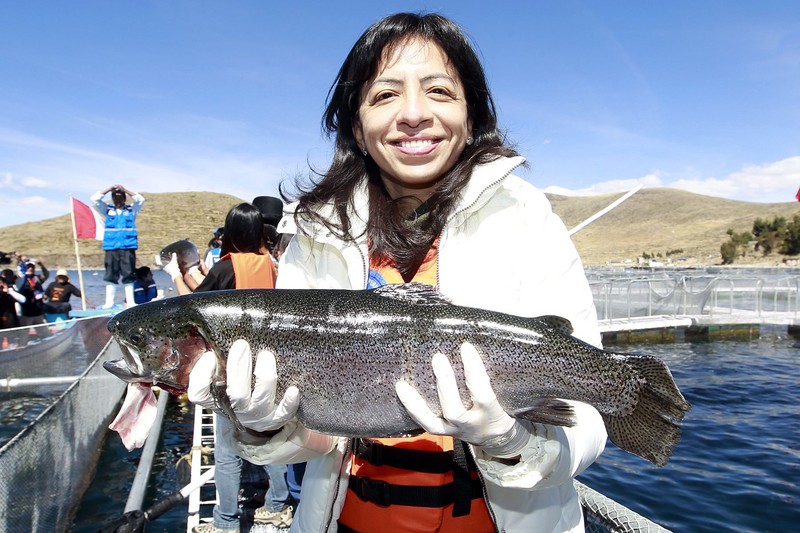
(421, 178)
(120, 238)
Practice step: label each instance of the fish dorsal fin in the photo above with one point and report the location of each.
(560, 324)
(413, 293)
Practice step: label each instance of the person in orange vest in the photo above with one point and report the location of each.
(420, 182)
(242, 265)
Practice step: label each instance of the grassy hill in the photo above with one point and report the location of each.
(653, 221)
(660, 220)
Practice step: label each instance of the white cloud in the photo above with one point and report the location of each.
(768, 182)
(36, 200)
(650, 180)
(35, 182)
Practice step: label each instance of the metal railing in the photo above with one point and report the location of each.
(767, 299)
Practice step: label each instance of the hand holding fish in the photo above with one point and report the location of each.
(484, 424)
(172, 267)
(254, 407)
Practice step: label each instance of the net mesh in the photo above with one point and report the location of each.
(680, 293)
(604, 515)
(47, 466)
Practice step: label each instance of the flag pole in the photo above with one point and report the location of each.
(77, 251)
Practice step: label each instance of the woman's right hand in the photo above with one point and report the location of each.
(255, 406)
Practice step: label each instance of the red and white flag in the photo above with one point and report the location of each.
(89, 223)
(797, 195)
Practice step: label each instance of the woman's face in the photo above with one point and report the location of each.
(413, 119)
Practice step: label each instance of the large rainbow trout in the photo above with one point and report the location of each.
(345, 350)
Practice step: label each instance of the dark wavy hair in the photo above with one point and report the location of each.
(242, 231)
(391, 238)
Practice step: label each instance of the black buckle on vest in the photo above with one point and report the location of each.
(369, 451)
(371, 490)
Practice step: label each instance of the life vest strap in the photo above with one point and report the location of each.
(378, 454)
(385, 494)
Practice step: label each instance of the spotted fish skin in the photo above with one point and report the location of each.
(345, 350)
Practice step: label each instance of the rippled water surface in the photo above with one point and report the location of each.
(738, 463)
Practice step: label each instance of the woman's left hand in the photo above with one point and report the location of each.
(485, 423)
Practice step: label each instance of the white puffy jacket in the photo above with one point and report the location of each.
(504, 250)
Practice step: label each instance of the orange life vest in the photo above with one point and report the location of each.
(253, 271)
(384, 496)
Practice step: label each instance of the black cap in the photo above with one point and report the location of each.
(271, 209)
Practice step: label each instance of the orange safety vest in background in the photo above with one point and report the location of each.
(253, 271)
(384, 496)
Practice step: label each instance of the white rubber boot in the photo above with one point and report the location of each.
(129, 302)
(111, 292)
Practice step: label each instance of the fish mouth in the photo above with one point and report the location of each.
(130, 367)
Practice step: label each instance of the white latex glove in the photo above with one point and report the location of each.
(484, 424)
(255, 408)
(172, 267)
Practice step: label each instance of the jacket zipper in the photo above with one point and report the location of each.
(463, 210)
(338, 484)
(492, 514)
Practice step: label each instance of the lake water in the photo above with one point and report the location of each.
(735, 469)
(738, 462)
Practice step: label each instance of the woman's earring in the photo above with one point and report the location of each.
(470, 140)
(364, 152)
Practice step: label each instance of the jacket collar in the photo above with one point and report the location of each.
(483, 183)
(485, 180)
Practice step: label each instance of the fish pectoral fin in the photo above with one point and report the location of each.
(220, 394)
(548, 411)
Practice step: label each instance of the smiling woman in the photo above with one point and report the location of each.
(421, 182)
(413, 119)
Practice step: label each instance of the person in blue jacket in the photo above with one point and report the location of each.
(120, 239)
(144, 288)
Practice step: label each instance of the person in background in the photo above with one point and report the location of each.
(57, 295)
(420, 180)
(10, 299)
(121, 238)
(242, 265)
(271, 209)
(289, 477)
(32, 288)
(144, 288)
(214, 248)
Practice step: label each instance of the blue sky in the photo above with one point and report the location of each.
(200, 95)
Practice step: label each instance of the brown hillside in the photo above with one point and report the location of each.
(653, 220)
(660, 220)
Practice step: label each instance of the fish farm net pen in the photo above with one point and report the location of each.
(66, 437)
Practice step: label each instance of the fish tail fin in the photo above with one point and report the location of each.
(548, 411)
(651, 430)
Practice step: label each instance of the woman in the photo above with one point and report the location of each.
(420, 182)
(242, 265)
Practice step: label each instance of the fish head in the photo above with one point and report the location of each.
(159, 345)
